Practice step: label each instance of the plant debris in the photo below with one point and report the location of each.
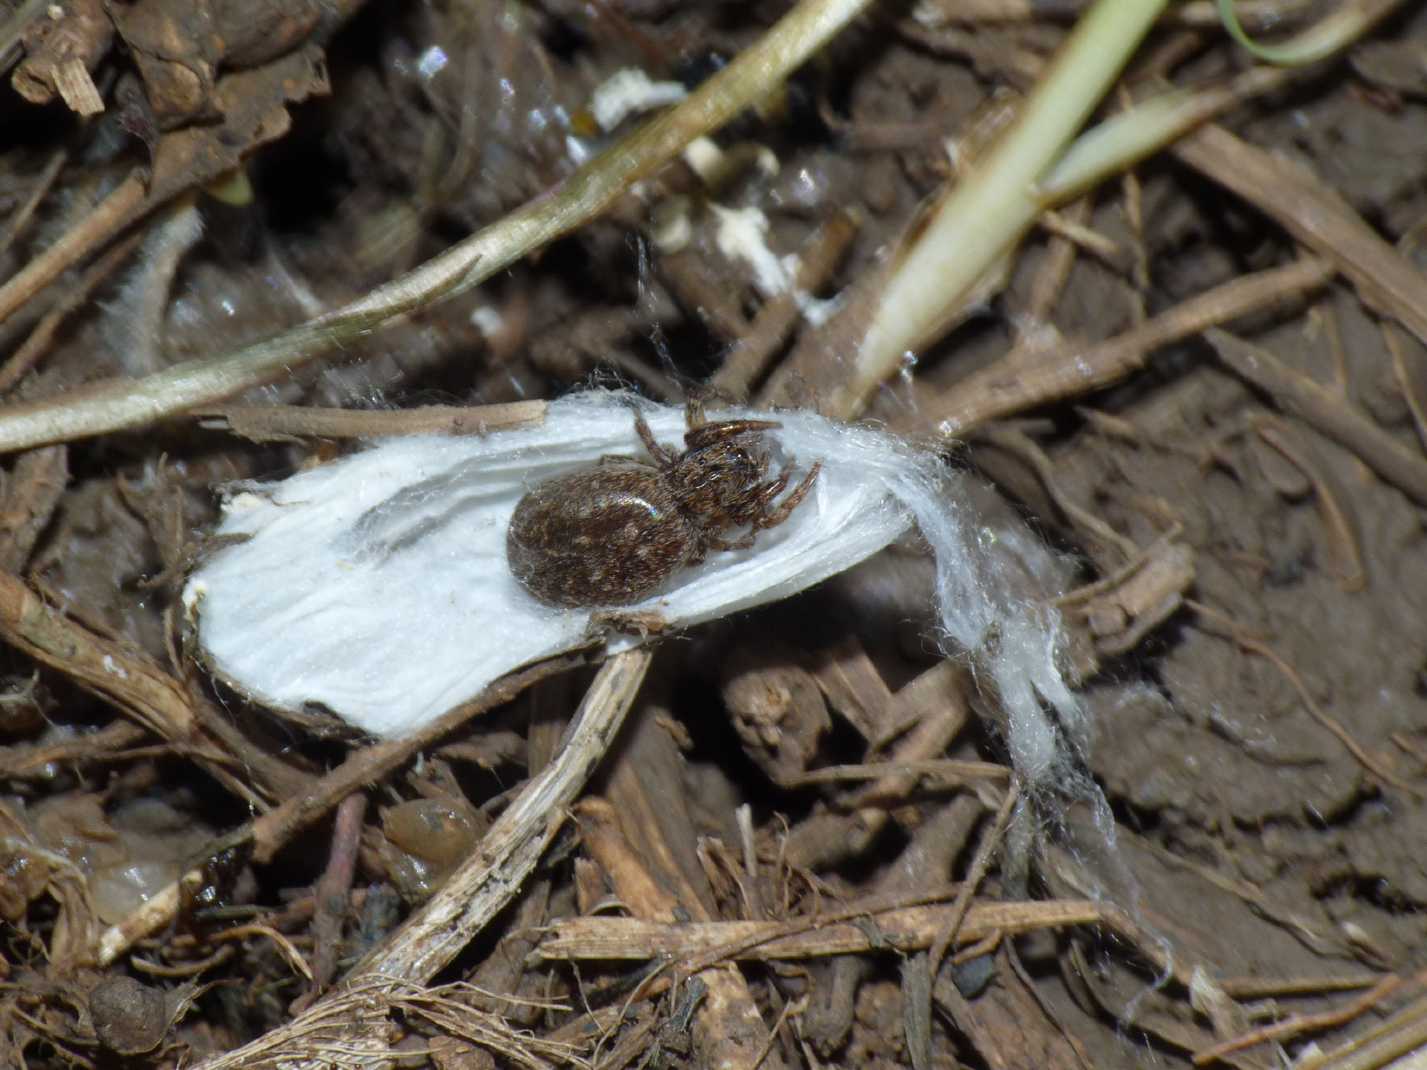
(1075, 717)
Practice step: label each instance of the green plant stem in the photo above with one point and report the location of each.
(1319, 41)
(1151, 125)
(989, 211)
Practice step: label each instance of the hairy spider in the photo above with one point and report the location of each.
(611, 534)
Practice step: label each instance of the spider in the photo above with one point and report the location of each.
(613, 533)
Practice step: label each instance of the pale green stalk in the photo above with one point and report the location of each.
(1118, 142)
(985, 217)
(1322, 39)
(990, 210)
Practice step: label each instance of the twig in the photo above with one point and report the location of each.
(72, 41)
(480, 889)
(268, 833)
(1301, 1023)
(476, 892)
(110, 743)
(78, 241)
(331, 892)
(1316, 216)
(1326, 411)
(700, 945)
(985, 851)
(1026, 378)
(275, 423)
(580, 198)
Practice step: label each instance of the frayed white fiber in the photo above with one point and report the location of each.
(377, 586)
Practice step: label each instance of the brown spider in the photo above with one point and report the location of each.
(611, 534)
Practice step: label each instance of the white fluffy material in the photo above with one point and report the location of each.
(630, 92)
(377, 585)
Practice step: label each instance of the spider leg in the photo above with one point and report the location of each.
(709, 434)
(787, 505)
(662, 457)
(743, 542)
(694, 415)
(774, 487)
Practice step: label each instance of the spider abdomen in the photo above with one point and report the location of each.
(603, 536)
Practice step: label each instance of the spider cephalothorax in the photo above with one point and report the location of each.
(610, 535)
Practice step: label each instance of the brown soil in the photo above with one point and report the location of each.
(1259, 703)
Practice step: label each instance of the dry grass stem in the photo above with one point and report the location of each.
(945, 772)
(42, 337)
(1315, 215)
(474, 894)
(510, 850)
(279, 423)
(1401, 1034)
(1411, 378)
(1326, 411)
(779, 848)
(978, 223)
(1301, 1023)
(268, 833)
(20, 219)
(1028, 377)
(1265, 987)
(991, 840)
(31, 495)
(1090, 526)
(79, 241)
(115, 406)
(902, 929)
(352, 1029)
(640, 833)
(111, 743)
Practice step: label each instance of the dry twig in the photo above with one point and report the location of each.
(1327, 412)
(580, 198)
(268, 833)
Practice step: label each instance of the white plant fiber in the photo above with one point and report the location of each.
(377, 585)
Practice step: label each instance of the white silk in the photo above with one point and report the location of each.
(377, 586)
